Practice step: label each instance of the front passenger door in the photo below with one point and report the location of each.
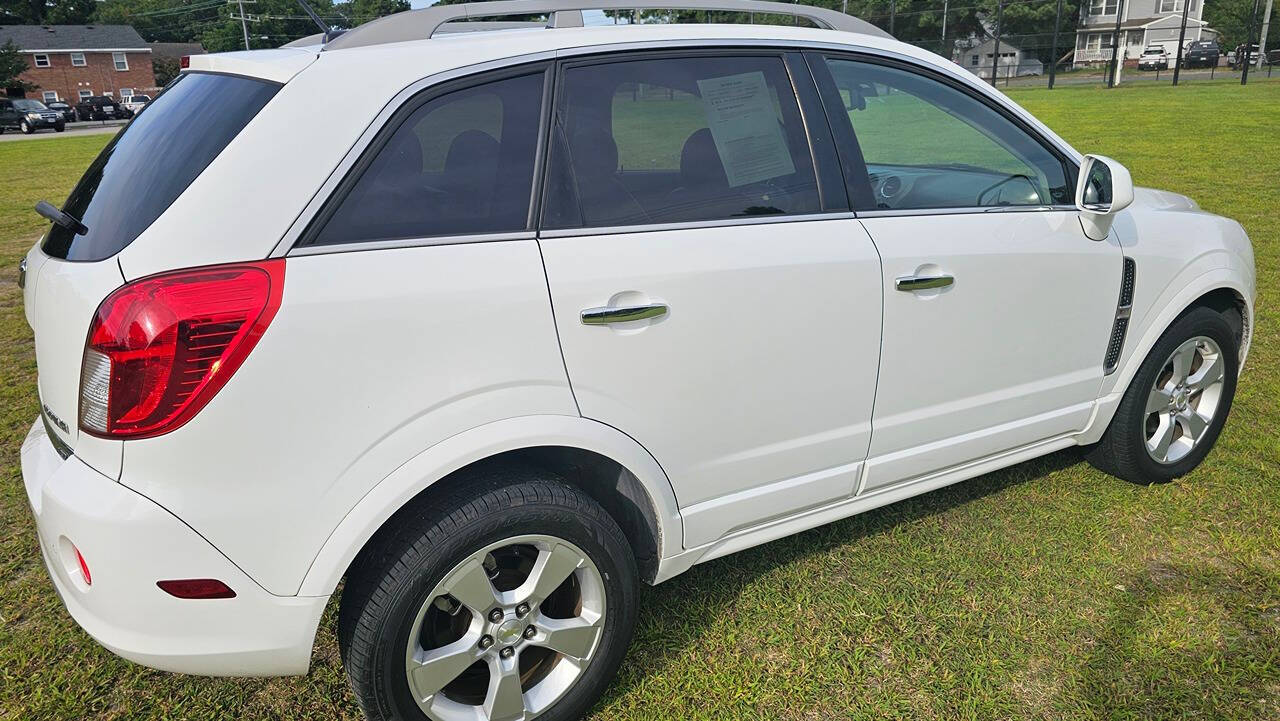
(997, 308)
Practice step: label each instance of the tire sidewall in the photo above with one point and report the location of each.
(617, 572)
(1198, 322)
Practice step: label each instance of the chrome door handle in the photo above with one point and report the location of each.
(622, 314)
(911, 283)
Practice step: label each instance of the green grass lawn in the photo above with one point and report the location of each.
(1047, 590)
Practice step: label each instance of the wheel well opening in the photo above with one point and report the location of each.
(1232, 307)
(606, 481)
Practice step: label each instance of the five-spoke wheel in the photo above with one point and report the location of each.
(509, 597)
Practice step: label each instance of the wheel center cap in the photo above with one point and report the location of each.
(1180, 398)
(509, 632)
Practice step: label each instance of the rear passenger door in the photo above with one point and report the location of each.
(715, 299)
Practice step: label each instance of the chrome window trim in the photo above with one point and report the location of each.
(969, 210)
(696, 224)
(412, 242)
(288, 242)
(286, 245)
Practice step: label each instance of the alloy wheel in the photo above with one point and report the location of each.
(507, 632)
(1184, 399)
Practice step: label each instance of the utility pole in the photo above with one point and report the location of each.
(1182, 37)
(244, 28)
(1248, 46)
(1262, 39)
(1115, 48)
(946, 5)
(1053, 53)
(893, 14)
(995, 55)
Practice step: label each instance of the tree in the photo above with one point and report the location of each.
(1231, 19)
(12, 65)
(166, 69)
(362, 11)
(38, 12)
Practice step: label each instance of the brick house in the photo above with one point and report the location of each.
(68, 62)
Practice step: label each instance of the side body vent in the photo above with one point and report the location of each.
(1123, 309)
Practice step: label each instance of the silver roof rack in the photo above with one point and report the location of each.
(420, 24)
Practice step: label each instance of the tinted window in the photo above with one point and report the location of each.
(461, 163)
(929, 145)
(680, 139)
(148, 165)
(29, 105)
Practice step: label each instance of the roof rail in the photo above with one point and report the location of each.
(421, 24)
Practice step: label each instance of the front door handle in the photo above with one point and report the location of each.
(622, 314)
(911, 283)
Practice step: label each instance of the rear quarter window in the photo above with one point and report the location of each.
(157, 155)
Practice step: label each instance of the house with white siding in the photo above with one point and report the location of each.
(1142, 23)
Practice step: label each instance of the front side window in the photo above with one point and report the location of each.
(678, 140)
(121, 61)
(77, 59)
(42, 61)
(927, 144)
(460, 164)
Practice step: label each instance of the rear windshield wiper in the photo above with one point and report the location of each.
(66, 220)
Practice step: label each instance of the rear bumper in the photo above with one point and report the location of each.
(129, 543)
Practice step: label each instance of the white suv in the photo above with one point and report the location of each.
(527, 317)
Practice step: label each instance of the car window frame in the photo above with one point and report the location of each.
(833, 201)
(857, 181)
(305, 243)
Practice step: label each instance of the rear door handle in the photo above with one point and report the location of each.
(911, 283)
(622, 314)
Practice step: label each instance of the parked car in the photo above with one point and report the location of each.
(61, 108)
(1154, 58)
(99, 107)
(1201, 54)
(28, 116)
(135, 103)
(1239, 57)
(491, 379)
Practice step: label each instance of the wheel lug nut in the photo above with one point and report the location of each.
(486, 642)
(530, 631)
(495, 615)
(507, 652)
(522, 609)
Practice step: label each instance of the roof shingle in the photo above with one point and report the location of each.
(72, 37)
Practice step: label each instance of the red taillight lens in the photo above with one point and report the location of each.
(160, 348)
(196, 588)
(185, 62)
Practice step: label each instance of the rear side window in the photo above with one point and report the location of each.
(157, 155)
(678, 139)
(460, 164)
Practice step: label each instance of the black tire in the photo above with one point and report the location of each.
(59, 128)
(1122, 450)
(392, 578)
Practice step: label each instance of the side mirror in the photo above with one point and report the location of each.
(1104, 189)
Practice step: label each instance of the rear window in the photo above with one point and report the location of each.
(157, 155)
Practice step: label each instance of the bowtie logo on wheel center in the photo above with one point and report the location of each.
(509, 632)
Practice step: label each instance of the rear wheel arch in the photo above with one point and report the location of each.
(604, 463)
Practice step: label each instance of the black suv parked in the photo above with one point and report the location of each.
(28, 116)
(99, 107)
(1201, 54)
(67, 112)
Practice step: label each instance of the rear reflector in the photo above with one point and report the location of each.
(160, 348)
(185, 62)
(84, 567)
(196, 588)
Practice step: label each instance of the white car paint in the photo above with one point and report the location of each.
(386, 370)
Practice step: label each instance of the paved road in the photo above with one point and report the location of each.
(73, 130)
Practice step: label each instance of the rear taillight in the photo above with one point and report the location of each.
(160, 348)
